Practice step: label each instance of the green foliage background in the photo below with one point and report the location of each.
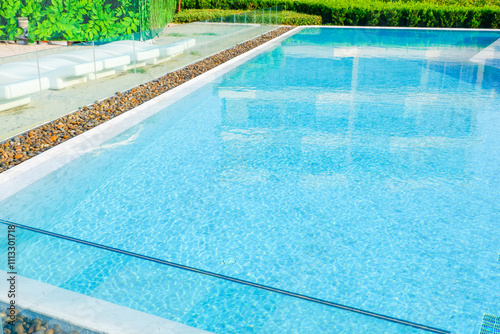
(83, 20)
(447, 13)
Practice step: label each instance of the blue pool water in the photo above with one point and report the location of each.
(359, 166)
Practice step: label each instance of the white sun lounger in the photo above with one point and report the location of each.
(171, 50)
(16, 86)
(106, 63)
(176, 48)
(188, 42)
(146, 53)
(140, 53)
(60, 72)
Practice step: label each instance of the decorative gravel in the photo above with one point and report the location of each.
(27, 322)
(15, 150)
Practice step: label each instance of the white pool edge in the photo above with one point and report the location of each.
(87, 312)
(32, 170)
(401, 28)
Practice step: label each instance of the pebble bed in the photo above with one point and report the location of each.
(15, 150)
(35, 324)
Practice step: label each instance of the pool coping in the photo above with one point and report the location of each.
(88, 312)
(401, 28)
(32, 170)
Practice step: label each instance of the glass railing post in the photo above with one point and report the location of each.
(95, 68)
(235, 29)
(40, 84)
(134, 55)
(206, 30)
(165, 63)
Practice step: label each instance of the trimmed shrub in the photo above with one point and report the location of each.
(193, 15)
(402, 14)
(395, 13)
(284, 17)
(236, 4)
(298, 19)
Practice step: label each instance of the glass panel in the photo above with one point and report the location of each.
(21, 87)
(123, 62)
(197, 300)
(78, 75)
(71, 69)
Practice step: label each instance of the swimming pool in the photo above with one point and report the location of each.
(358, 166)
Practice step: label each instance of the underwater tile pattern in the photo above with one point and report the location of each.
(359, 166)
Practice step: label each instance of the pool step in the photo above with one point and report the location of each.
(253, 304)
(489, 56)
(95, 274)
(490, 325)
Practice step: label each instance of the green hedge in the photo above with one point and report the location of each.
(193, 15)
(298, 19)
(236, 4)
(284, 17)
(404, 13)
(401, 14)
(83, 20)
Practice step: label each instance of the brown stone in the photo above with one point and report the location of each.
(19, 329)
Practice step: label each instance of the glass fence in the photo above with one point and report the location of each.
(41, 86)
(184, 296)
